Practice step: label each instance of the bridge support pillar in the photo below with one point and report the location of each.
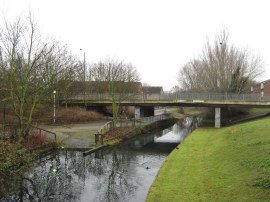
(137, 112)
(217, 117)
(144, 111)
(147, 111)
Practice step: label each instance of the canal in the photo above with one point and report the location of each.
(122, 173)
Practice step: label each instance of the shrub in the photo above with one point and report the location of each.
(35, 141)
(76, 114)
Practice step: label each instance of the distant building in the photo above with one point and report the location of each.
(104, 87)
(101, 87)
(152, 92)
(262, 88)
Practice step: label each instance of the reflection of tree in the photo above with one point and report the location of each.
(62, 177)
(54, 180)
(117, 183)
(186, 126)
(113, 175)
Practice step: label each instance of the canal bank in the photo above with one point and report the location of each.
(76, 136)
(139, 130)
(82, 136)
(228, 164)
(120, 173)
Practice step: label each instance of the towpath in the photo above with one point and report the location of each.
(76, 135)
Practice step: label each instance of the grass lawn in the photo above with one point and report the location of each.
(90, 134)
(187, 111)
(258, 111)
(227, 164)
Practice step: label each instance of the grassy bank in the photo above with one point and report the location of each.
(182, 112)
(16, 159)
(227, 164)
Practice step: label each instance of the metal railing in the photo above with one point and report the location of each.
(48, 134)
(101, 138)
(132, 122)
(169, 97)
(220, 97)
(11, 130)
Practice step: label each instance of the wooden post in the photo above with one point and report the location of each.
(101, 138)
(96, 138)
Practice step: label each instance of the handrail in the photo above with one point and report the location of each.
(40, 129)
(169, 96)
(132, 122)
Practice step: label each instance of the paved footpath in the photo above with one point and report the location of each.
(76, 135)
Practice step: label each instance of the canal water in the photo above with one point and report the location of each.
(122, 173)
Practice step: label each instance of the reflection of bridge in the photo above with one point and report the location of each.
(142, 104)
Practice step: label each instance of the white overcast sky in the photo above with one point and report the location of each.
(156, 36)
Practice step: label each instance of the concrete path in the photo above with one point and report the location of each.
(76, 135)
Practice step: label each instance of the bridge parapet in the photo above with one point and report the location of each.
(221, 96)
(169, 97)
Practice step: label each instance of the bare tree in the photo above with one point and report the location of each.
(31, 68)
(68, 69)
(220, 66)
(117, 78)
(22, 60)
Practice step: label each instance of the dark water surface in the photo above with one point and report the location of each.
(123, 173)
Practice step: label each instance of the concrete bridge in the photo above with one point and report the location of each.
(145, 106)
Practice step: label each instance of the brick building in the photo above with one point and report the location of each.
(262, 88)
(152, 92)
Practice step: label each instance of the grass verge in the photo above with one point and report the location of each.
(258, 111)
(85, 134)
(180, 113)
(227, 164)
(16, 159)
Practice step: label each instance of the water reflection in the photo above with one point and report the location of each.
(179, 131)
(122, 173)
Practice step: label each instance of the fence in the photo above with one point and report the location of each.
(132, 122)
(219, 96)
(99, 137)
(48, 134)
(11, 131)
(169, 96)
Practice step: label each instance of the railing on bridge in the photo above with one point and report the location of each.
(170, 97)
(220, 97)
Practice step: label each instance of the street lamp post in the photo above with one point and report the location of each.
(83, 64)
(84, 76)
(54, 92)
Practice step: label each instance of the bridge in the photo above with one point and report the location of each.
(143, 104)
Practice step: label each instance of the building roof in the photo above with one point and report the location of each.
(152, 89)
(259, 83)
(265, 81)
(104, 86)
